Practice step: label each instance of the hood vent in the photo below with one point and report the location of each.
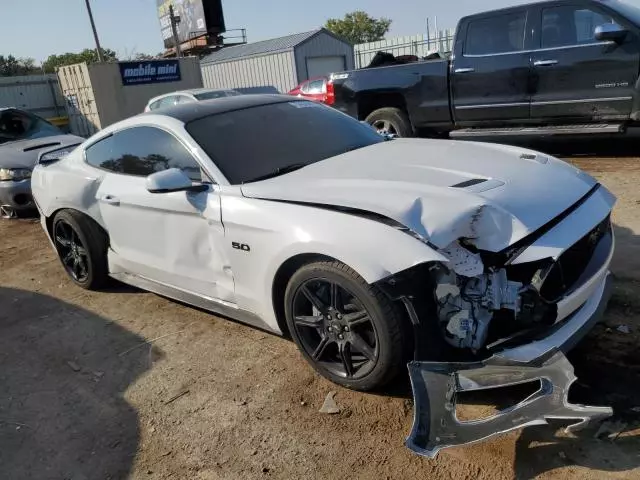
(469, 183)
(41, 145)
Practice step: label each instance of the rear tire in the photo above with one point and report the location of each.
(82, 248)
(356, 337)
(392, 120)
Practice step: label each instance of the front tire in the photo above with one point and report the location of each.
(82, 249)
(348, 330)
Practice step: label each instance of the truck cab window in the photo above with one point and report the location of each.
(499, 34)
(569, 26)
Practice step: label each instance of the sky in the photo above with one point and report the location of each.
(39, 28)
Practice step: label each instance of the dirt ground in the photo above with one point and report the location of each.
(82, 396)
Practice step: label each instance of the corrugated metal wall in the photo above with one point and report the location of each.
(39, 94)
(271, 70)
(419, 45)
(321, 45)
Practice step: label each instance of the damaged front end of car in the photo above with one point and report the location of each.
(486, 320)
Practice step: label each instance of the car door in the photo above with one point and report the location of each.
(575, 76)
(491, 70)
(174, 238)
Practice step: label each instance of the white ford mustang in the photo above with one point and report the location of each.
(478, 264)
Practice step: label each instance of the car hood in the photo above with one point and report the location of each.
(493, 195)
(24, 153)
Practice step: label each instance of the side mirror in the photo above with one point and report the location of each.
(610, 32)
(172, 180)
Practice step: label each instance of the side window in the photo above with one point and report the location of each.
(142, 151)
(500, 34)
(305, 87)
(155, 105)
(316, 86)
(568, 26)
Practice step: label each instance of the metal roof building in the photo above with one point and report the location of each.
(280, 62)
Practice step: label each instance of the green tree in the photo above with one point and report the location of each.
(359, 27)
(88, 55)
(11, 66)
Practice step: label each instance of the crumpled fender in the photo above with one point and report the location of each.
(487, 226)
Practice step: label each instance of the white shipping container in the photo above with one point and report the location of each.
(96, 95)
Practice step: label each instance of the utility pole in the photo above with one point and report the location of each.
(95, 32)
(175, 20)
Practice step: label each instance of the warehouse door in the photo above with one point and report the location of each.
(323, 66)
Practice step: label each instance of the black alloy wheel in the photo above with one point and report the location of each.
(82, 248)
(347, 329)
(72, 251)
(335, 329)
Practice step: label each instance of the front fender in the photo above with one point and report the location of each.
(278, 231)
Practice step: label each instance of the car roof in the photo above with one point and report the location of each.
(188, 112)
(191, 91)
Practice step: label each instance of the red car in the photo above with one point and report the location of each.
(319, 89)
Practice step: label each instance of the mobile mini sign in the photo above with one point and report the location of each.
(140, 73)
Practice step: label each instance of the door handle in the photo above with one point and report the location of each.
(545, 63)
(464, 70)
(110, 200)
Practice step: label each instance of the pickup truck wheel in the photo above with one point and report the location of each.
(348, 330)
(390, 120)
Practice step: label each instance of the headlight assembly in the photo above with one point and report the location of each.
(14, 174)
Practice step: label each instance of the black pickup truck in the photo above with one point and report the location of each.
(554, 67)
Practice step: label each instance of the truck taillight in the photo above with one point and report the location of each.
(330, 97)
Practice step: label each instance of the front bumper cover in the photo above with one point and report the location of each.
(436, 384)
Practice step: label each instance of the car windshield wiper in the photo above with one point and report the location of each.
(279, 171)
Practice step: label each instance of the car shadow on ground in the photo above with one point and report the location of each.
(62, 380)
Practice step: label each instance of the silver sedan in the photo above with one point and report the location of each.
(22, 137)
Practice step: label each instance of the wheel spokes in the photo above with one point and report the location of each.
(314, 299)
(334, 296)
(320, 349)
(363, 347)
(65, 242)
(309, 321)
(67, 258)
(356, 318)
(345, 356)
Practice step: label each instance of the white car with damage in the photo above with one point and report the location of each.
(479, 265)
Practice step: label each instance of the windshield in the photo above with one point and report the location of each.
(630, 12)
(17, 125)
(216, 94)
(258, 141)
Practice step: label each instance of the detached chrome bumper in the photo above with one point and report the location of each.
(435, 384)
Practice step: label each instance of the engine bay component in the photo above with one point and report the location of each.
(435, 385)
(467, 298)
